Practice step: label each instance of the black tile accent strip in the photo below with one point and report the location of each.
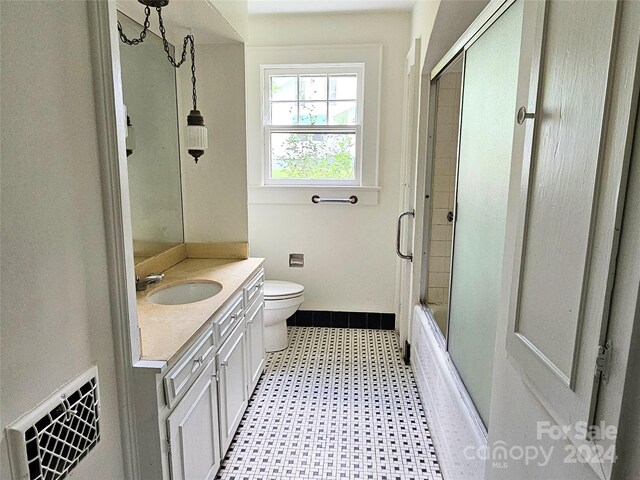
(321, 318)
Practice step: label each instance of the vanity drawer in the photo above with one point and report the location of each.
(253, 289)
(185, 372)
(224, 324)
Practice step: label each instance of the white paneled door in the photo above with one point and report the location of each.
(407, 192)
(564, 230)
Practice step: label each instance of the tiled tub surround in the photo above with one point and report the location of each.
(316, 318)
(165, 330)
(338, 403)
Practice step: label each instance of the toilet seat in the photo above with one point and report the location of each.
(280, 290)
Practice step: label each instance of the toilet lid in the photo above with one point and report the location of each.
(277, 289)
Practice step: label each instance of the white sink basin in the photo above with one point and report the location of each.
(184, 293)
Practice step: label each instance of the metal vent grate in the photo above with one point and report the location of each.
(47, 443)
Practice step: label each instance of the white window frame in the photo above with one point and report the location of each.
(357, 129)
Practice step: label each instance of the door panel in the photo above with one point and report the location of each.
(562, 185)
(490, 80)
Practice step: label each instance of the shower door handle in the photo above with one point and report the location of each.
(408, 256)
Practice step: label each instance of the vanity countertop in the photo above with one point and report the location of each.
(167, 330)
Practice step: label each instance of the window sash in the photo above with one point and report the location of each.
(320, 129)
(303, 70)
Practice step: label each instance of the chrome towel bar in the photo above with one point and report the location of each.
(352, 200)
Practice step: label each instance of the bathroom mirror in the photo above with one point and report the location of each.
(153, 160)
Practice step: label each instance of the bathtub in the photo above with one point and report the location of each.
(446, 403)
(440, 312)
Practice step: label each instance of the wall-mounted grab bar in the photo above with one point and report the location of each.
(352, 200)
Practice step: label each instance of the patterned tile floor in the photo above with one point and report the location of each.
(337, 404)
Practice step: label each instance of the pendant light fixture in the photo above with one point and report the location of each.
(196, 132)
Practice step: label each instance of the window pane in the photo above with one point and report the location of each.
(313, 87)
(313, 113)
(313, 156)
(284, 88)
(285, 113)
(343, 87)
(342, 113)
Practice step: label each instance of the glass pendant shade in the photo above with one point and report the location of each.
(197, 135)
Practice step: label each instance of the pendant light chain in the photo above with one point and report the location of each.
(143, 34)
(197, 137)
(187, 40)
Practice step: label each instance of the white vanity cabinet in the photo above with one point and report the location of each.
(187, 415)
(233, 396)
(192, 428)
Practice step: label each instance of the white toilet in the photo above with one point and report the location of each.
(281, 300)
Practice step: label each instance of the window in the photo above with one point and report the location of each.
(312, 116)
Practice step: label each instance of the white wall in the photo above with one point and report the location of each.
(215, 189)
(56, 318)
(235, 13)
(349, 250)
(423, 18)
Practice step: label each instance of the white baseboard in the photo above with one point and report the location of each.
(453, 423)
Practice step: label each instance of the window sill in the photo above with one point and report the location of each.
(301, 194)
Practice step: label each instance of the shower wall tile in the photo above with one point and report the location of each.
(448, 97)
(435, 295)
(439, 217)
(450, 80)
(446, 115)
(447, 264)
(441, 232)
(446, 150)
(438, 280)
(441, 200)
(441, 184)
(446, 133)
(444, 177)
(440, 248)
(436, 264)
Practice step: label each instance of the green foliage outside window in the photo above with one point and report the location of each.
(316, 156)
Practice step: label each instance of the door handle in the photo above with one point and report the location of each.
(408, 256)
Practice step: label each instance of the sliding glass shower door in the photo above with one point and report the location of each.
(487, 122)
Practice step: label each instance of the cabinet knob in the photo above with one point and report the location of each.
(224, 363)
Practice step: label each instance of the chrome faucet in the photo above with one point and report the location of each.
(142, 283)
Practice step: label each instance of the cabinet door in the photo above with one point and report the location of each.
(232, 386)
(255, 343)
(193, 431)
